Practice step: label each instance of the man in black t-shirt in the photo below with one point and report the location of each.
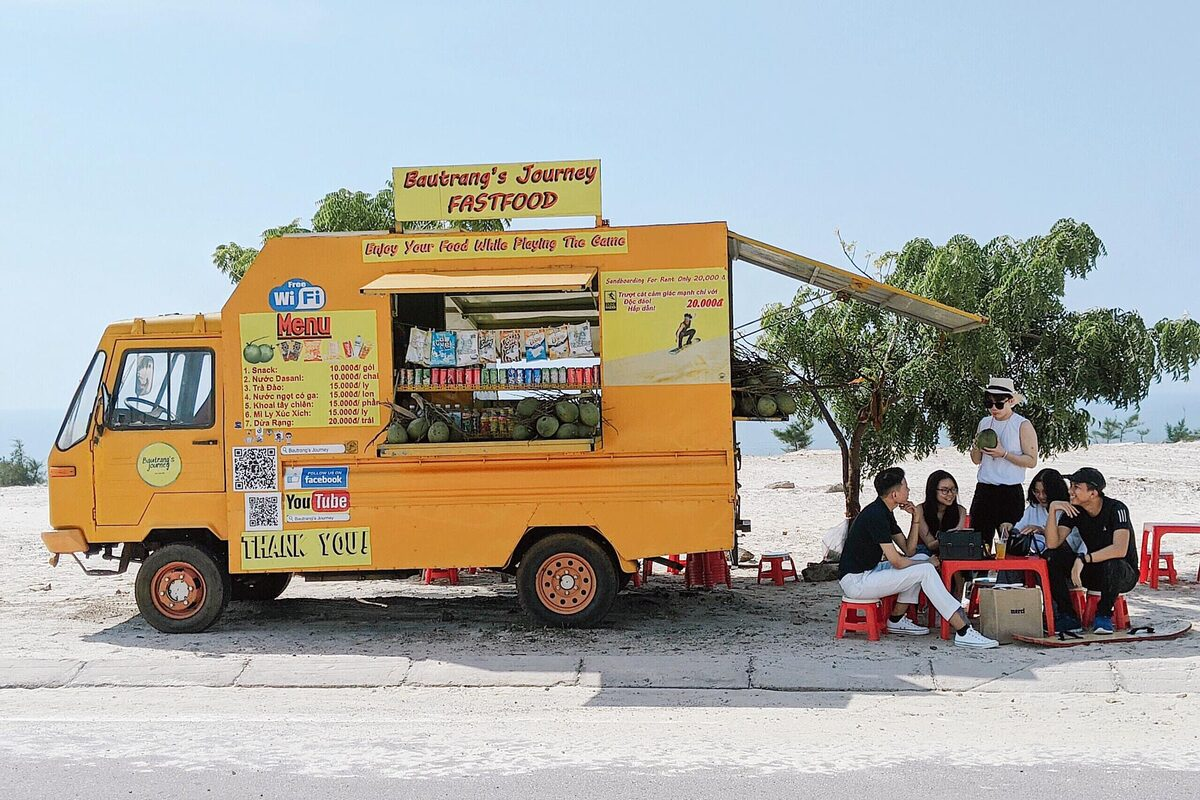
(1110, 565)
(874, 565)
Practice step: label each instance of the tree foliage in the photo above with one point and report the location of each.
(1180, 432)
(18, 469)
(342, 210)
(796, 435)
(887, 386)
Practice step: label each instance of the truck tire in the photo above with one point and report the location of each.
(566, 581)
(259, 588)
(181, 588)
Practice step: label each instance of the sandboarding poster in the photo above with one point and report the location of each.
(666, 326)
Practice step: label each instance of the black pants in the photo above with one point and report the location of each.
(994, 505)
(688, 334)
(1109, 578)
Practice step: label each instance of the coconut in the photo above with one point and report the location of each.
(747, 405)
(522, 433)
(568, 430)
(566, 411)
(417, 429)
(987, 439)
(527, 407)
(250, 353)
(785, 402)
(439, 432)
(396, 433)
(589, 414)
(766, 406)
(547, 426)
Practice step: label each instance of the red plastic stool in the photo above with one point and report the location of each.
(451, 575)
(776, 571)
(888, 605)
(1166, 566)
(860, 616)
(1120, 615)
(1079, 603)
(675, 557)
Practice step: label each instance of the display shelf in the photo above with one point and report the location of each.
(492, 387)
(488, 448)
(738, 418)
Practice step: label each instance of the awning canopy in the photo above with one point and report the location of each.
(857, 287)
(453, 282)
(502, 300)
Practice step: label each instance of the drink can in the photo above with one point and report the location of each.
(536, 374)
(436, 377)
(596, 375)
(426, 377)
(585, 377)
(573, 376)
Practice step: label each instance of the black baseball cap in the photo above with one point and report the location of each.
(1089, 475)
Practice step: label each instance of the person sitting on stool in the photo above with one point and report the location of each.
(1110, 565)
(863, 574)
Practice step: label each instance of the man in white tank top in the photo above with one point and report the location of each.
(999, 494)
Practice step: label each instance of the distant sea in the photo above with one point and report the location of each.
(1167, 403)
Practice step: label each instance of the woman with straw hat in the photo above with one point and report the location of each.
(999, 493)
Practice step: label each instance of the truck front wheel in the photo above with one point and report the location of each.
(567, 581)
(181, 588)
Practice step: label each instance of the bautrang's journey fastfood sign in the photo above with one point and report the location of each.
(497, 191)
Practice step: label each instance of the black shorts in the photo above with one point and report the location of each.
(994, 505)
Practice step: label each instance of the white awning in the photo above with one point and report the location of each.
(856, 287)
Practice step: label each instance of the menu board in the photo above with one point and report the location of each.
(309, 370)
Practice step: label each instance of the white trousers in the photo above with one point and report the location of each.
(908, 583)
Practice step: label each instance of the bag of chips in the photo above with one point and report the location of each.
(419, 347)
(489, 350)
(445, 343)
(535, 345)
(468, 348)
(557, 345)
(511, 347)
(580, 337)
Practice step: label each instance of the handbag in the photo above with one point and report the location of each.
(1023, 544)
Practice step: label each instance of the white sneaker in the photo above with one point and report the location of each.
(975, 639)
(907, 627)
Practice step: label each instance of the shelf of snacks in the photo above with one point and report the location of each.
(482, 379)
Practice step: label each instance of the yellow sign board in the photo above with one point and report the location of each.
(309, 370)
(159, 464)
(497, 191)
(665, 326)
(497, 245)
(316, 547)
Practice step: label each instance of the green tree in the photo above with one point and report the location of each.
(796, 435)
(1179, 432)
(342, 210)
(1142, 434)
(1109, 430)
(887, 386)
(18, 469)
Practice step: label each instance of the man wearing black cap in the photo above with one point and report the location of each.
(1109, 566)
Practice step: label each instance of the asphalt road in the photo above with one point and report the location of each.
(573, 742)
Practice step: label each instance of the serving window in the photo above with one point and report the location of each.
(502, 360)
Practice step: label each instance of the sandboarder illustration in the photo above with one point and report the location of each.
(685, 334)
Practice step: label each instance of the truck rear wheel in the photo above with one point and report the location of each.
(181, 588)
(261, 587)
(567, 581)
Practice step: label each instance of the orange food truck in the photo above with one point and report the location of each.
(555, 404)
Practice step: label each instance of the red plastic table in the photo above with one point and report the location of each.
(1154, 531)
(1016, 563)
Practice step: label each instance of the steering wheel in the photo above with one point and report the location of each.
(156, 411)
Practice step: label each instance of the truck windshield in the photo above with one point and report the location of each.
(75, 425)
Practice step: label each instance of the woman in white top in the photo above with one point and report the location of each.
(1046, 487)
(999, 493)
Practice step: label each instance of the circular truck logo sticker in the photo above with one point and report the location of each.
(159, 464)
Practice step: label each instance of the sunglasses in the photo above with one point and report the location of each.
(994, 402)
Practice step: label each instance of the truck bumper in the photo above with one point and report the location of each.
(66, 540)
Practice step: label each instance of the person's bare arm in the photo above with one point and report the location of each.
(1118, 548)
(1056, 534)
(916, 532)
(1029, 448)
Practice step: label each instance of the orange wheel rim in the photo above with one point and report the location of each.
(566, 583)
(177, 590)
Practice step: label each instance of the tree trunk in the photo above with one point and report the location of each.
(852, 470)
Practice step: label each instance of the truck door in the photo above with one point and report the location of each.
(162, 429)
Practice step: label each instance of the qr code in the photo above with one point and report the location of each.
(255, 469)
(264, 512)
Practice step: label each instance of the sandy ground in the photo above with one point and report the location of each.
(62, 613)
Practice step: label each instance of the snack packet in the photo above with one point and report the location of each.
(419, 347)
(535, 345)
(443, 348)
(489, 350)
(557, 345)
(511, 347)
(468, 348)
(580, 337)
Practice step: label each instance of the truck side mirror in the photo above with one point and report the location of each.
(99, 411)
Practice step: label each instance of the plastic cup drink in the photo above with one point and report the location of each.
(1001, 545)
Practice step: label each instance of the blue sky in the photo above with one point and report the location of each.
(139, 135)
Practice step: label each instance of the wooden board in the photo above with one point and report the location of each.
(1168, 629)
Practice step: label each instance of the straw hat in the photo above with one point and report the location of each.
(1004, 386)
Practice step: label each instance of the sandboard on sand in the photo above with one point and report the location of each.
(1170, 629)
